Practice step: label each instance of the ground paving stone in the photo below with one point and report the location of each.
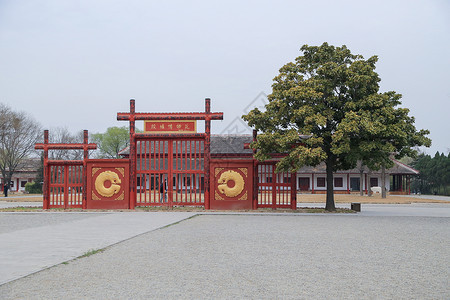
(25, 250)
(261, 257)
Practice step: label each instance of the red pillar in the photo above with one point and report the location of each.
(45, 188)
(255, 175)
(85, 158)
(132, 155)
(66, 187)
(294, 190)
(367, 190)
(274, 188)
(207, 149)
(170, 173)
(312, 183)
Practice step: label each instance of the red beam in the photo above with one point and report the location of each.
(170, 116)
(41, 146)
(170, 135)
(65, 162)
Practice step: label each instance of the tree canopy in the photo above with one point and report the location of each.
(333, 96)
(434, 175)
(112, 141)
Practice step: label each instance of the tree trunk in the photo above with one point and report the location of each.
(330, 195)
(383, 182)
(7, 180)
(369, 190)
(361, 182)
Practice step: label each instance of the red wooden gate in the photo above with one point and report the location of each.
(182, 160)
(275, 190)
(170, 172)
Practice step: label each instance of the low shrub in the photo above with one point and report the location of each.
(33, 188)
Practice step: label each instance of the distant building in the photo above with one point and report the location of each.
(312, 179)
(27, 172)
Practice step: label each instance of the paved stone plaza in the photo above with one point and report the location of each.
(226, 256)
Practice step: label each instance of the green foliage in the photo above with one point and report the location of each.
(91, 252)
(333, 95)
(112, 141)
(434, 175)
(33, 188)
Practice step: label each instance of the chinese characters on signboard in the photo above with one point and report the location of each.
(170, 126)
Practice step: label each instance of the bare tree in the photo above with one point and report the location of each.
(18, 134)
(63, 135)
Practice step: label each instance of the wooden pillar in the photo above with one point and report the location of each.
(294, 190)
(401, 183)
(274, 187)
(255, 175)
(66, 187)
(312, 183)
(348, 183)
(169, 173)
(408, 178)
(207, 150)
(365, 185)
(85, 158)
(132, 155)
(45, 188)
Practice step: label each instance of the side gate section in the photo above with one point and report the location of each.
(108, 184)
(65, 185)
(170, 172)
(275, 190)
(232, 184)
(64, 180)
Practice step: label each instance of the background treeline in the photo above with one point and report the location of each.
(434, 175)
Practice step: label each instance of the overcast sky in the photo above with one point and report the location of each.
(77, 63)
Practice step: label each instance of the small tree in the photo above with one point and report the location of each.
(36, 186)
(333, 96)
(112, 141)
(18, 134)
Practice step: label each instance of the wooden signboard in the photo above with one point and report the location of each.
(165, 126)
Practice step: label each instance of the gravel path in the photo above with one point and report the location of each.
(260, 257)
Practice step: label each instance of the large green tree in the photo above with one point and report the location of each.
(112, 141)
(333, 96)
